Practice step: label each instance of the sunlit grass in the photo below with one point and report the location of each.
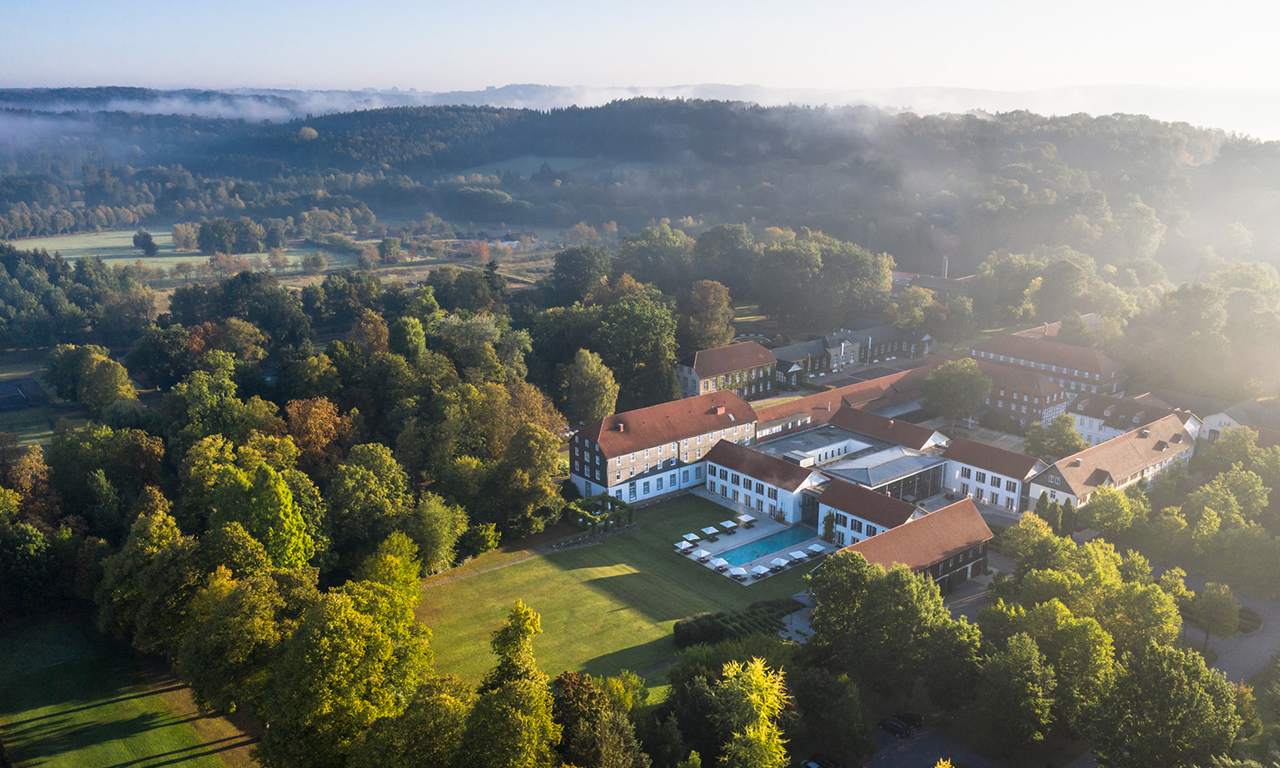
(604, 608)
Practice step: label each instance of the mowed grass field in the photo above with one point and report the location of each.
(116, 248)
(69, 697)
(604, 608)
(34, 426)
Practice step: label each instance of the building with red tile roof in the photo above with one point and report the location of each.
(745, 368)
(950, 545)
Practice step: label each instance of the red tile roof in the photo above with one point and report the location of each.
(1119, 413)
(668, 422)
(734, 357)
(885, 390)
(894, 431)
(925, 541)
(1040, 350)
(884, 511)
(1022, 380)
(993, 459)
(761, 466)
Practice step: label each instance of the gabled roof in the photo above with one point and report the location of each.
(1122, 414)
(668, 422)
(927, 540)
(884, 511)
(1256, 413)
(1121, 457)
(761, 466)
(734, 357)
(903, 385)
(1012, 378)
(889, 430)
(1041, 350)
(993, 459)
(813, 347)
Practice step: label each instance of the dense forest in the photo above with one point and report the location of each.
(1118, 188)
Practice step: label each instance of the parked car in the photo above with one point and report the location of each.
(909, 718)
(819, 761)
(896, 727)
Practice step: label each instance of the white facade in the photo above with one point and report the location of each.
(985, 486)
(1061, 492)
(765, 498)
(1095, 431)
(668, 477)
(849, 528)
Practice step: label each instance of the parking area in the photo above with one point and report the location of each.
(923, 749)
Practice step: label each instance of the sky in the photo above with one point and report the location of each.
(833, 44)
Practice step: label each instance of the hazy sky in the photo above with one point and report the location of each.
(469, 44)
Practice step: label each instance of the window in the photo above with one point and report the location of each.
(697, 473)
(724, 490)
(1010, 486)
(964, 488)
(684, 476)
(995, 481)
(842, 520)
(978, 493)
(759, 488)
(995, 499)
(646, 466)
(856, 526)
(724, 474)
(966, 473)
(746, 499)
(735, 494)
(1008, 502)
(760, 506)
(1053, 495)
(982, 477)
(773, 493)
(659, 484)
(735, 479)
(619, 476)
(646, 487)
(633, 455)
(631, 491)
(871, 530)
(633, 472)
(576, 451)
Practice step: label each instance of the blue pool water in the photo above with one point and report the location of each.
(782, 540)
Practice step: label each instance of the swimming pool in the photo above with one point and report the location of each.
(776, 542)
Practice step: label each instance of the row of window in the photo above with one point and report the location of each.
(737, 479)
(980, 493)
(1009, 485)
(1055, 369)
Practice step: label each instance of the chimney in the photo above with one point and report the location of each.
(1076, 462)
(719, 410)
(1145, 433)
(622, 427)
(891, 422)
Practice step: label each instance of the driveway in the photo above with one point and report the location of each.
(1243, 656)
(923, 749)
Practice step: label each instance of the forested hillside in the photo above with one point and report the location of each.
(1119, 188)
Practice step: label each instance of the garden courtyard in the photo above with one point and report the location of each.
(604, 607)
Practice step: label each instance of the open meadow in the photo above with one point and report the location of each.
(604, 608)
(116, 248)
(71, 698)
(35, 418)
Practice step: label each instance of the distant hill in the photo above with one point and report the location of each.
(1249, 112)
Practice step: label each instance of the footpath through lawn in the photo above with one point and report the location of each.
(604, 608)
(69, 697)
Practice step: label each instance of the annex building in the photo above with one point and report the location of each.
(745, 368)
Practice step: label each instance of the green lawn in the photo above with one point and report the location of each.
(604, 608)
(69, 697)
(116, 248)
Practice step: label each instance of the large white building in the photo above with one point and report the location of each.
(859, 513)
(1100, 418)
(760, 482)
(992, 475)
(1135, 457)
(653, 451)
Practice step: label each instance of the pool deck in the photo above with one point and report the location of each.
(763, 528)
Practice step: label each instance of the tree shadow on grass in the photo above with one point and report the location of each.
(644, 593)
(62, 734)
(637, 658)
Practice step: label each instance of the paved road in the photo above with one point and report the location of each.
(923, 749)
(1243, 656)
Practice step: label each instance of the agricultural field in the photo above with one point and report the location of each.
(604, 608)
(116, 248)
(71, 698)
